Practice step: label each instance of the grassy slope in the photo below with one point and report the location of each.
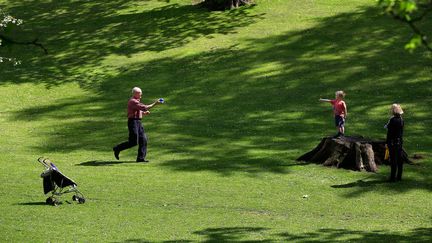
(241, 90)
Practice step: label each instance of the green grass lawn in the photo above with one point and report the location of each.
(241, 90)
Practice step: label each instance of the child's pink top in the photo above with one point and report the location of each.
(338, 107)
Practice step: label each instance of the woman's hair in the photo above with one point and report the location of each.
(396, 109)
(340, 93)
(135, 90)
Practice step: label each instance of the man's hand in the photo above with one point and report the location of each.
(146, 113)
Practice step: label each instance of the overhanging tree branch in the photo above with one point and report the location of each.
(413, 13)
(428, 8)
(34, 42)
(422, 36)
(414, 28)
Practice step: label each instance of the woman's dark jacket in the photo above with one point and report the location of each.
(395, 130)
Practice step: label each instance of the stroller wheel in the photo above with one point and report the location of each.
(49, 201)
(81, 200)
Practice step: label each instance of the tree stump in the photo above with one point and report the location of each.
(354, 153)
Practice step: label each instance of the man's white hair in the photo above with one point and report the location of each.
(136, 90)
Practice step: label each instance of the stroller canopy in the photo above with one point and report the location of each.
(55, 176)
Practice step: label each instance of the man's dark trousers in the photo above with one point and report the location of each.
(136, 136)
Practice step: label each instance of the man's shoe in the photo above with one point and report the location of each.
(142, 160)
(116, 153)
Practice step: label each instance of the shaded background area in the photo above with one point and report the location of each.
(81, 34)
(249, 105)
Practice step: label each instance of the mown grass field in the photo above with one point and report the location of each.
(241, 90)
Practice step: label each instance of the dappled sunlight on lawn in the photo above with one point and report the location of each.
(241, 92)
(262, 92)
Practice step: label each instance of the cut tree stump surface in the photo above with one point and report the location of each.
(354, 153)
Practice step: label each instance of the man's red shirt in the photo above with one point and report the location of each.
(135, 108)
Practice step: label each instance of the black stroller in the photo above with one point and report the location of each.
(55, 182)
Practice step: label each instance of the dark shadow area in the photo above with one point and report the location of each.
(136, 241)
(146, 241)
(332, 235)
(361, 183)
(104, 163)
(229, 234)
(233, 163)
(249, 234)
(174, 241)
(33, 204)
(360, 187)
(86, 32)
(250, 107)
(227, 165)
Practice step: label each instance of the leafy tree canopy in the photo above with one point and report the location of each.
(413, 13)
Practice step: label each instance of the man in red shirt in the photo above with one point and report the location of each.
(340, 111)
(135, 111)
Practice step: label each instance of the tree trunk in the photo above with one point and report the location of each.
(355, 153)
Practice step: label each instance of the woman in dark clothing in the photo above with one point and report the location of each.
(394, 142)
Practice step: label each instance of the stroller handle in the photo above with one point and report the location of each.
(44, 162)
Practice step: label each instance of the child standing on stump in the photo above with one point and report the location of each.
(340, 112)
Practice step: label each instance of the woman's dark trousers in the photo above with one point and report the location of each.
(395, 150)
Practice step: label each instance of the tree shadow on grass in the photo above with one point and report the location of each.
(226, 234)
(253, 106)
(146, 241)
(250, 234)
(229, 165)
(360, 187)
(230, 234)
(85, 33)
(331, 235)
(417, 178)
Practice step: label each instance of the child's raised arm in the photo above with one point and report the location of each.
(324, 100)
